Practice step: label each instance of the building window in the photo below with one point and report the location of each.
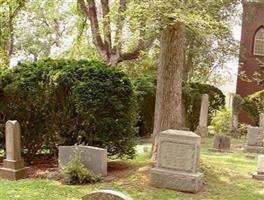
(259, 43)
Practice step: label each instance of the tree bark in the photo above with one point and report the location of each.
(168, 106)
(111, 52)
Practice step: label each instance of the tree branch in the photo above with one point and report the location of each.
(90, 11)
(11, 33)
(20, 5)
(135, 53)
(106, 24)
(119, 25)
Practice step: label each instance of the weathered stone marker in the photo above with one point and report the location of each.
(178, 161)
(255, 138)
(106, 195)
(222, 143)
(13, 166)
(261, 120)
(235, 121)
(259, 175)
(93, 158)
(202, 129)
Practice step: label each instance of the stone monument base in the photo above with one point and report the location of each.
(13, 170)
(181, 181)
(219, 150)
(202, 131)
(258, 176)
(254, 149)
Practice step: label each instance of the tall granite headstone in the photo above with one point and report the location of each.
(202, 129)
(13, 166)
(94, 158)
(255, 140)
(178, 161)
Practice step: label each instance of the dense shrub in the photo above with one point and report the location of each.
(192, 93)
(254, 105)
(67, 101)
(145, 88)
(220, 123)
(237, 104)
(1, 140)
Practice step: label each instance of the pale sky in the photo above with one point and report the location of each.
(232, 66)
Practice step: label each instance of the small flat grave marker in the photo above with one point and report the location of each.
(106, 195)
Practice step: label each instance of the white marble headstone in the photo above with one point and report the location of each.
(260, 166)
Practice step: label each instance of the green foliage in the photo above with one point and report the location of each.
(254, 105)
(220, 123)
(2, 142)
(237, 104)
(8, 13)
(242, 129)
(76, 173)
(46, 22)
(145, 88)
(62, 102)
(192, 93)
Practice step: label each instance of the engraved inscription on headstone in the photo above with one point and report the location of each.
(86, 157)
(177, 156)
(178, 161)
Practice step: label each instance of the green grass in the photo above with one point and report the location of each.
(227, 177)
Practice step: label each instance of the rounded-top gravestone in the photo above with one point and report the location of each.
(106, 195)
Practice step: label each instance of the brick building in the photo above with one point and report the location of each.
(251, 50)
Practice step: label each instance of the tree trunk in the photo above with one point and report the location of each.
(168, 106)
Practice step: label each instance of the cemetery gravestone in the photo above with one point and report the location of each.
(255, 139)
(260, 169)
(106, 195)
(94, 158)
(222, 143)
(234, 122)
(202, 129)
(177, 161)
(13, 166)
(261, 120)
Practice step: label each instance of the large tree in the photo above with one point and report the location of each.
(173, 21)
(198, 17)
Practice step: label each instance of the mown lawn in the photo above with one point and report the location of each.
(227, 177)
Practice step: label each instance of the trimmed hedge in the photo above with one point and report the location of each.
(254, 105)
(192, 93)
(145, 89)
(64, 102)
